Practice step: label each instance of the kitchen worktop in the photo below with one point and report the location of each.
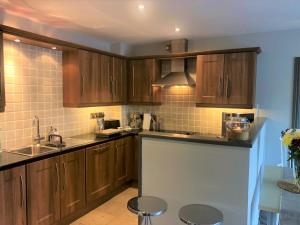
(210, 138)
(9, 160)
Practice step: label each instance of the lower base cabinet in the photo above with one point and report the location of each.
(43, 192)
(13, 196)
(99, 171)
(124, 161)
(57, 190)
(72, 183)
(108, 167)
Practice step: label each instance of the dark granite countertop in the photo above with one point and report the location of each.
(10, 160)
(209, 138)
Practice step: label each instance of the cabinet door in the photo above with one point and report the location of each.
(150, 74)
(89, 76)
(43, 194)
(142, 73)
(106, 79)
(239, 76)
(209, 82)
(99, 171)
(130, 158)
(13, 196)
(119, 80)
(72, 182)
(124, 161)
(135, 81)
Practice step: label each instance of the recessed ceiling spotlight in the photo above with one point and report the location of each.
(177, 29)
(53, 47)
(141, 6)
(17, 40)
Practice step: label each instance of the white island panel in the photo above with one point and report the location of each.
(185, 172)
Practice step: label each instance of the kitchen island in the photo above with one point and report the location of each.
(187, 169)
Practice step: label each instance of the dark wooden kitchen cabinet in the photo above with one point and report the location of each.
(99, 171)
(239, 79)
(113, 83)
(105, 91)
(119, 80)
(80, 78)
(2, 84)
(43, 192)
(142, 73)
(226, 80)
(72, 182)
(124, 161)
(13, 196)
(209, 81)
(92, 79)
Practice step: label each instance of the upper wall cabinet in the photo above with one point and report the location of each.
(2, 85)
(226, 80)
(119, 79)
(142, 73)
(92, 79)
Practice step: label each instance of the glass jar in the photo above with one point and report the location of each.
(238, 128)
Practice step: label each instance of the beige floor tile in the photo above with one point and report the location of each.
(113, 212)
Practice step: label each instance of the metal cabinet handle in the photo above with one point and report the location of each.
(133, 79)
(81, 90)
(64, 167)
(219, 86)
(121, 82)
(228, 87)
(116, 154)
(101, 149)
(57, 174)
(21, 191)
(150, 88)
(227, 80)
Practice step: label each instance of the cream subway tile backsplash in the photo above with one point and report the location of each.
(33, 82)
(178, 112)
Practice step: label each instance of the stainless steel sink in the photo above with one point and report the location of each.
(33, 150)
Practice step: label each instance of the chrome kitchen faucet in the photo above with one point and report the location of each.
(37, 138)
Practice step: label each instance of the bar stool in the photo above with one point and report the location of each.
(197, 214)
(146, 207)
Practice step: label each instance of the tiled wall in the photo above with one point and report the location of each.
(178, 112)
(33, 81)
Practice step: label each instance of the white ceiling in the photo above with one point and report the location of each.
(122, 21)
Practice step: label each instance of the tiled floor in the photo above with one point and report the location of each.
(113, 212)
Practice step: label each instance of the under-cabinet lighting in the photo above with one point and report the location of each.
(54, 48)
(17, 40)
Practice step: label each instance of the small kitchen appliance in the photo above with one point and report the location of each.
(227, 116)
(100, 120)
(237, 128)
(111, 124)
(136, 120)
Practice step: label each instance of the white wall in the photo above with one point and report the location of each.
(274, 75)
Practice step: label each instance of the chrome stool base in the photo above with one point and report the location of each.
(146, 220)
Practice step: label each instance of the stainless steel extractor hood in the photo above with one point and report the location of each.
(178, 74)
